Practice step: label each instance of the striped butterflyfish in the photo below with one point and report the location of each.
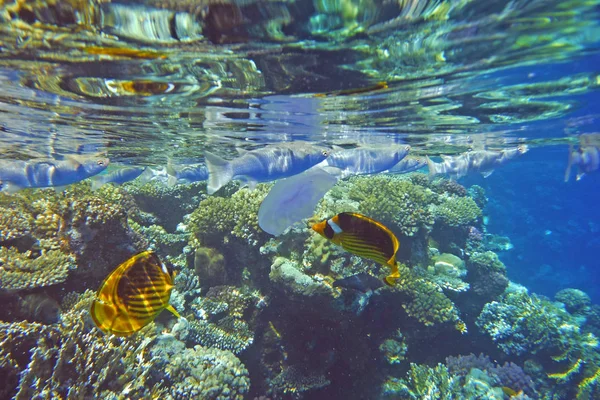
(133, 295)
(364, 237)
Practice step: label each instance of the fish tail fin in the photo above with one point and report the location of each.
(171, 181)
(170, 168)
(431, 166)
(569, 163)
(146, 176)
(173, 310)
(219, 172)
(391, 279)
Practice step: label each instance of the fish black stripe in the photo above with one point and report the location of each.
(146, 301)
(368, 247)
(383, 247)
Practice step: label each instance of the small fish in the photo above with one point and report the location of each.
(366, 160)
(364, 237)
(16, 174)
(121, 176)
(362, 282)
(511, 392)
(408, 164)
(133, 295)
(264, 165)
(349, 92)
(482, 161)
(586, 158)
(186, 173)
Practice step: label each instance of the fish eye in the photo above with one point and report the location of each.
(100, 162)
(325, 153)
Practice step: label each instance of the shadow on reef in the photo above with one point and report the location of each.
(263, 318)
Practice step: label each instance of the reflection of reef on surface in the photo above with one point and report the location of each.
(262, 315)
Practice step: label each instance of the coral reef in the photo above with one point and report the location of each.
(272, 301)
(575, 300)
(201, 373)
(218, 219)
(402, 205)
(456, 211)
(60, 234)
(508, 375)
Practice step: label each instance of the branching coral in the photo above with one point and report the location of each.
(56, 228)
(487, 276)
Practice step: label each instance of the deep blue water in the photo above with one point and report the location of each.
(554, 226)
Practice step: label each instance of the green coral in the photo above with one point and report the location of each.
(456, 211)
(427, 303)
(398, 203)
(487, 261)
(218, 218)
(394, 349)
(423, 382)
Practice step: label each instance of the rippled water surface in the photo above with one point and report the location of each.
(157, 79)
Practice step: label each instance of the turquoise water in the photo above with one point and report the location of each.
(498, 292)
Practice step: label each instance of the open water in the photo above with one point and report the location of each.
(158, 83)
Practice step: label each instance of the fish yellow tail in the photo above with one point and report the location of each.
(394, 276)
(173, 310)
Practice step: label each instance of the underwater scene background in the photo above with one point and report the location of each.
(196, 156)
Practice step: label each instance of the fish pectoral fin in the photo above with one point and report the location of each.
(172, 310)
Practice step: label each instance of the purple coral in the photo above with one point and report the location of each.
(509, 374)
(474, 234)
(513, 376)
